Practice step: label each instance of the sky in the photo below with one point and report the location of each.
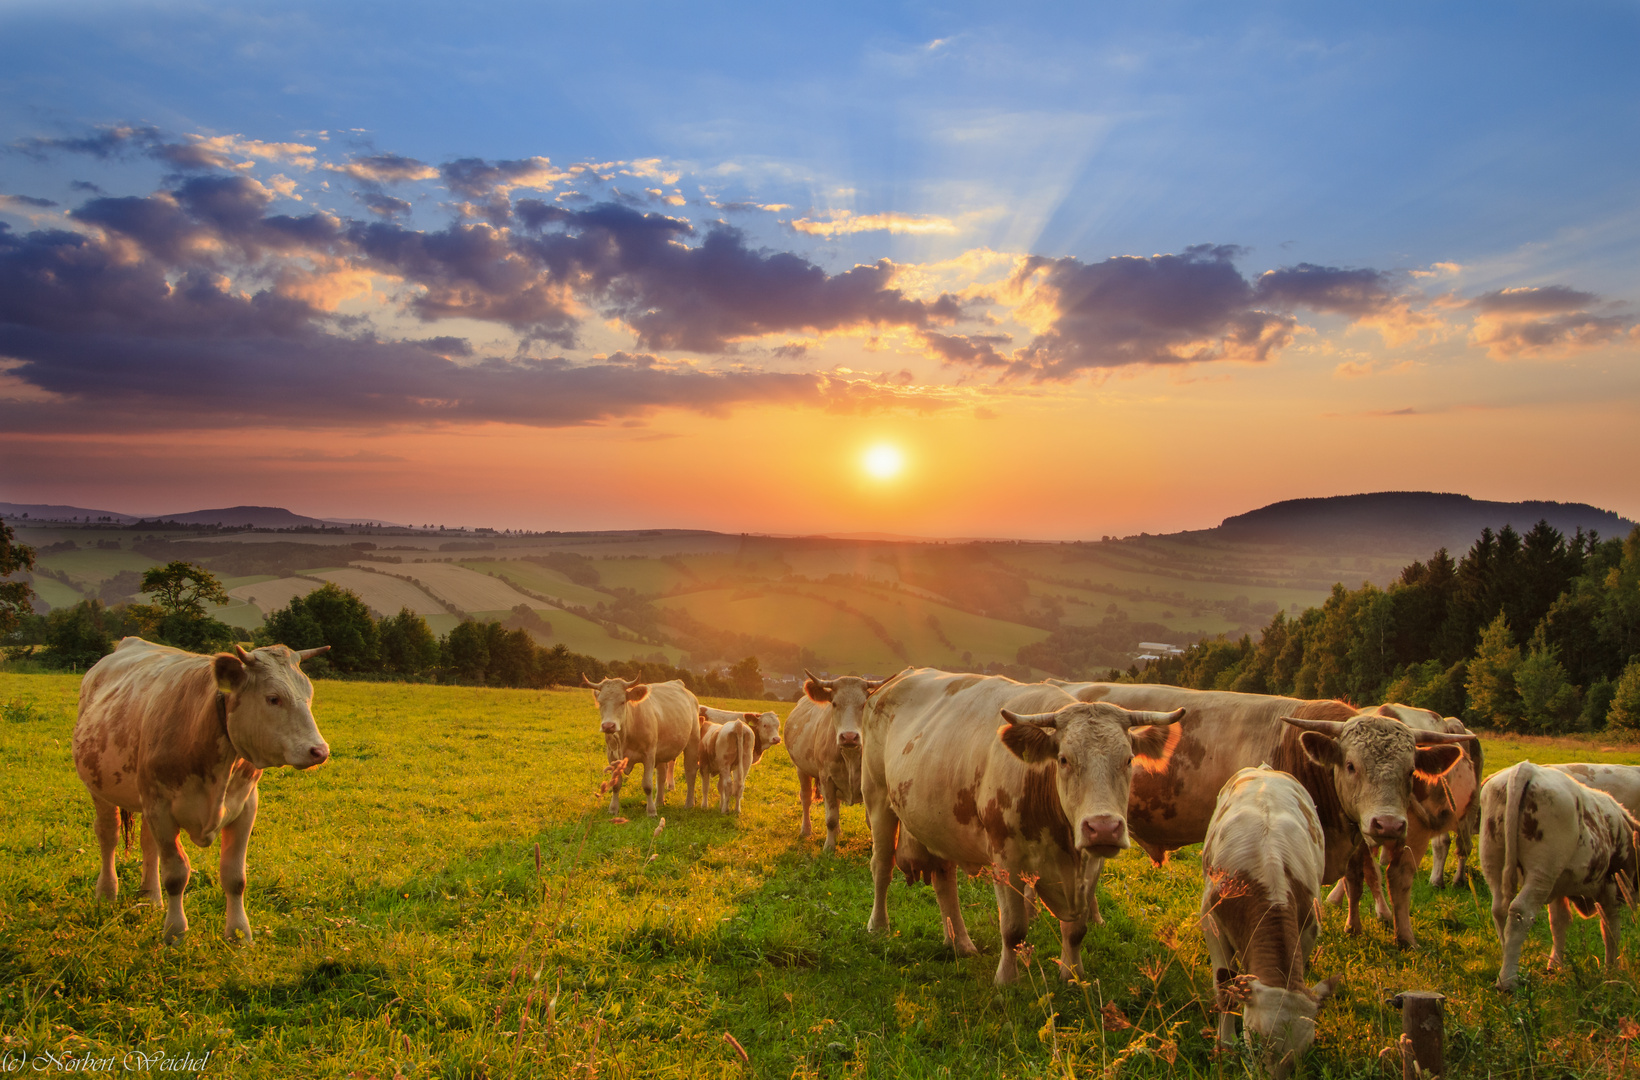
(1054, 272)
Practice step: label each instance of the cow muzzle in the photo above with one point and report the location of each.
(1387, 828)
(608, 727)
(1104, 835)
(848, 740)
(316, 755)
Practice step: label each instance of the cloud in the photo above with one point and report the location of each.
(478, 179)
(29, 202)
(1543, 322)
(382, 205)
(843, 223)
(385, 169)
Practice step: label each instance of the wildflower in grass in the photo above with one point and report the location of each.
(1025, 951)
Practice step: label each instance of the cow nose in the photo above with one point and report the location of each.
(1388, 827)
(609, 727)
(848, 739)
(1103, 830)
(320, 754)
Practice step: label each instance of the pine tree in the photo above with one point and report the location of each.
(1494, 699)
(1625, 708)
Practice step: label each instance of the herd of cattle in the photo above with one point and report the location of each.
(1287, 796)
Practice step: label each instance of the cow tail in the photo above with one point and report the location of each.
(748, 746)
(1519, 779)
(1471, 826)
(126, 817)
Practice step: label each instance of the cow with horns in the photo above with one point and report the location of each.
(648, 724)
(823, 739)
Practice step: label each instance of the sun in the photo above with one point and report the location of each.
(884, 462)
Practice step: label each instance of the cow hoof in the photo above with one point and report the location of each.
(1353, 928)
(237, 935)
(1507, 986)
(970, 949)
(1406, 944)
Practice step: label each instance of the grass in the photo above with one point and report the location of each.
(404, 928)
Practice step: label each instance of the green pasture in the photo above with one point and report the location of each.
(584, 636)
(93, 566)
(405, 928)
(539, 579)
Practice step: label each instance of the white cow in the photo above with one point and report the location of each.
(823, 739)
(648, 724)
(728, 746)
(1546, 838)
(1263, 861)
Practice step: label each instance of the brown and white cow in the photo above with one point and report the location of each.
(648, 724)
(1440, 809)
(1358, 767)
(1545, 838)
(1262, 863)
(182, 739)
(823, 739)
(1040, 802)
(728, 746)
(1621, 782)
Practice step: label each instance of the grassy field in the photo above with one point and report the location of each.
(404, 928)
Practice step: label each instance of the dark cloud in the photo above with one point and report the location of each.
(1543, 300)
(1545, 321)
(29, 200)
(477, 178)
(384, 205)
(975, 350)
(385, 169)
(1165, 309)
(1356, 293)
(104, 142)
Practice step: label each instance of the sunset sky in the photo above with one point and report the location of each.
(1051, 272)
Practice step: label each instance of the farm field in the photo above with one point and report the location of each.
(540, 579)
(404, 928)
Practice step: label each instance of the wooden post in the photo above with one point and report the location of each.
(1422, 1033)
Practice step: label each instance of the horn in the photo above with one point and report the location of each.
(309, 654)
(1330, 728)
(813, 677)
(631, 684)
(1141, 718)
(1428, 738)
(588, 682)
(239, 651)
(1047, 719)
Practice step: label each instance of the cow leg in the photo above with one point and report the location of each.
(1438, 848)
(1371, 881)
(1560, 916)
(653, 799)
(1223, 960)
(669, 775)
(616, 780)
(944, 881)
(725, 783)
(236, 837)
(1070, 948)
(1611, 930)
(834, 816)
(1354, 873)
(173, 872)
(691, 765)
(150, 865)
(885, 829)
(1399, 874)
(805, 795)
(1519, 916)
(1465, 838)
(108, 837)
(1014, 918)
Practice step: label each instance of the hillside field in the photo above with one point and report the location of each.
(404, 929)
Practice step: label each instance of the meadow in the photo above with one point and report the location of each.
(448, 897)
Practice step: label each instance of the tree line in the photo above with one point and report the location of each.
(1534, 632)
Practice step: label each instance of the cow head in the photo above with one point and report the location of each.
(1092, 745)
(1373, 760)
(847, 696)
(615, 696)
(270, 706)
(765, 730)
(1280, 1023)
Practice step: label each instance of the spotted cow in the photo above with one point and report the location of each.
(1359, 767)
(648, 724)
(1039, 802)
(1545, 839)
(728, 748)
(823, 739)
(182, 739)
(1262, 868)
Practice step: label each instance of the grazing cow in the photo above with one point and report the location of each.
(1262, 863)
(823, 739)
(765, 726)
(1359, 767)
(1545, 838)
(1450, 804)
(182, 739)
(728, 746)
(648, 724)
(1621, 782)
(1039, 803)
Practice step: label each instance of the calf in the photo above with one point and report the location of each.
(823, 739)
(183, 739)
(728, 746)
(1262, 862)
(1546, 838)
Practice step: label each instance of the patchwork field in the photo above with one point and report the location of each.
(466, 589)
(405, 927)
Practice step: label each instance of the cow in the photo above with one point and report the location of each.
(765, 727)
(1545, 839)
(1359, 768)
(728, 745)
(648, 724)
(823, 739)
(1039, 802)
(182, 739)
(1262, 865)
(1621, 782)
(1448, 805)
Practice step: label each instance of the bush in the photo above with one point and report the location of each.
(1624, 713)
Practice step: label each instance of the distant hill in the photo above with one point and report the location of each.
(53, 512)
(1409, 522)
(258, 517)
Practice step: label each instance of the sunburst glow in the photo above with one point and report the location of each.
(884, 462)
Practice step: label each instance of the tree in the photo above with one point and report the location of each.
(77, 637)
(178, 616)
(407, 645)
(1548, 702)
(16, 597)
(466, 651)
(747, 678)
(1494, 698)
(329, 615)
(1625, 707)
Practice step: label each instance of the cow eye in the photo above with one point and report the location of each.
(273, 699)
(1349, 767)
(1063, 760)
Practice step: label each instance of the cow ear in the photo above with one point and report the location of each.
(229, 671)
(1432, 762)
(637, 693)
(816, 691)
(1029, 742)
(1321, 749)
(1154, 744)
(1323, 990)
